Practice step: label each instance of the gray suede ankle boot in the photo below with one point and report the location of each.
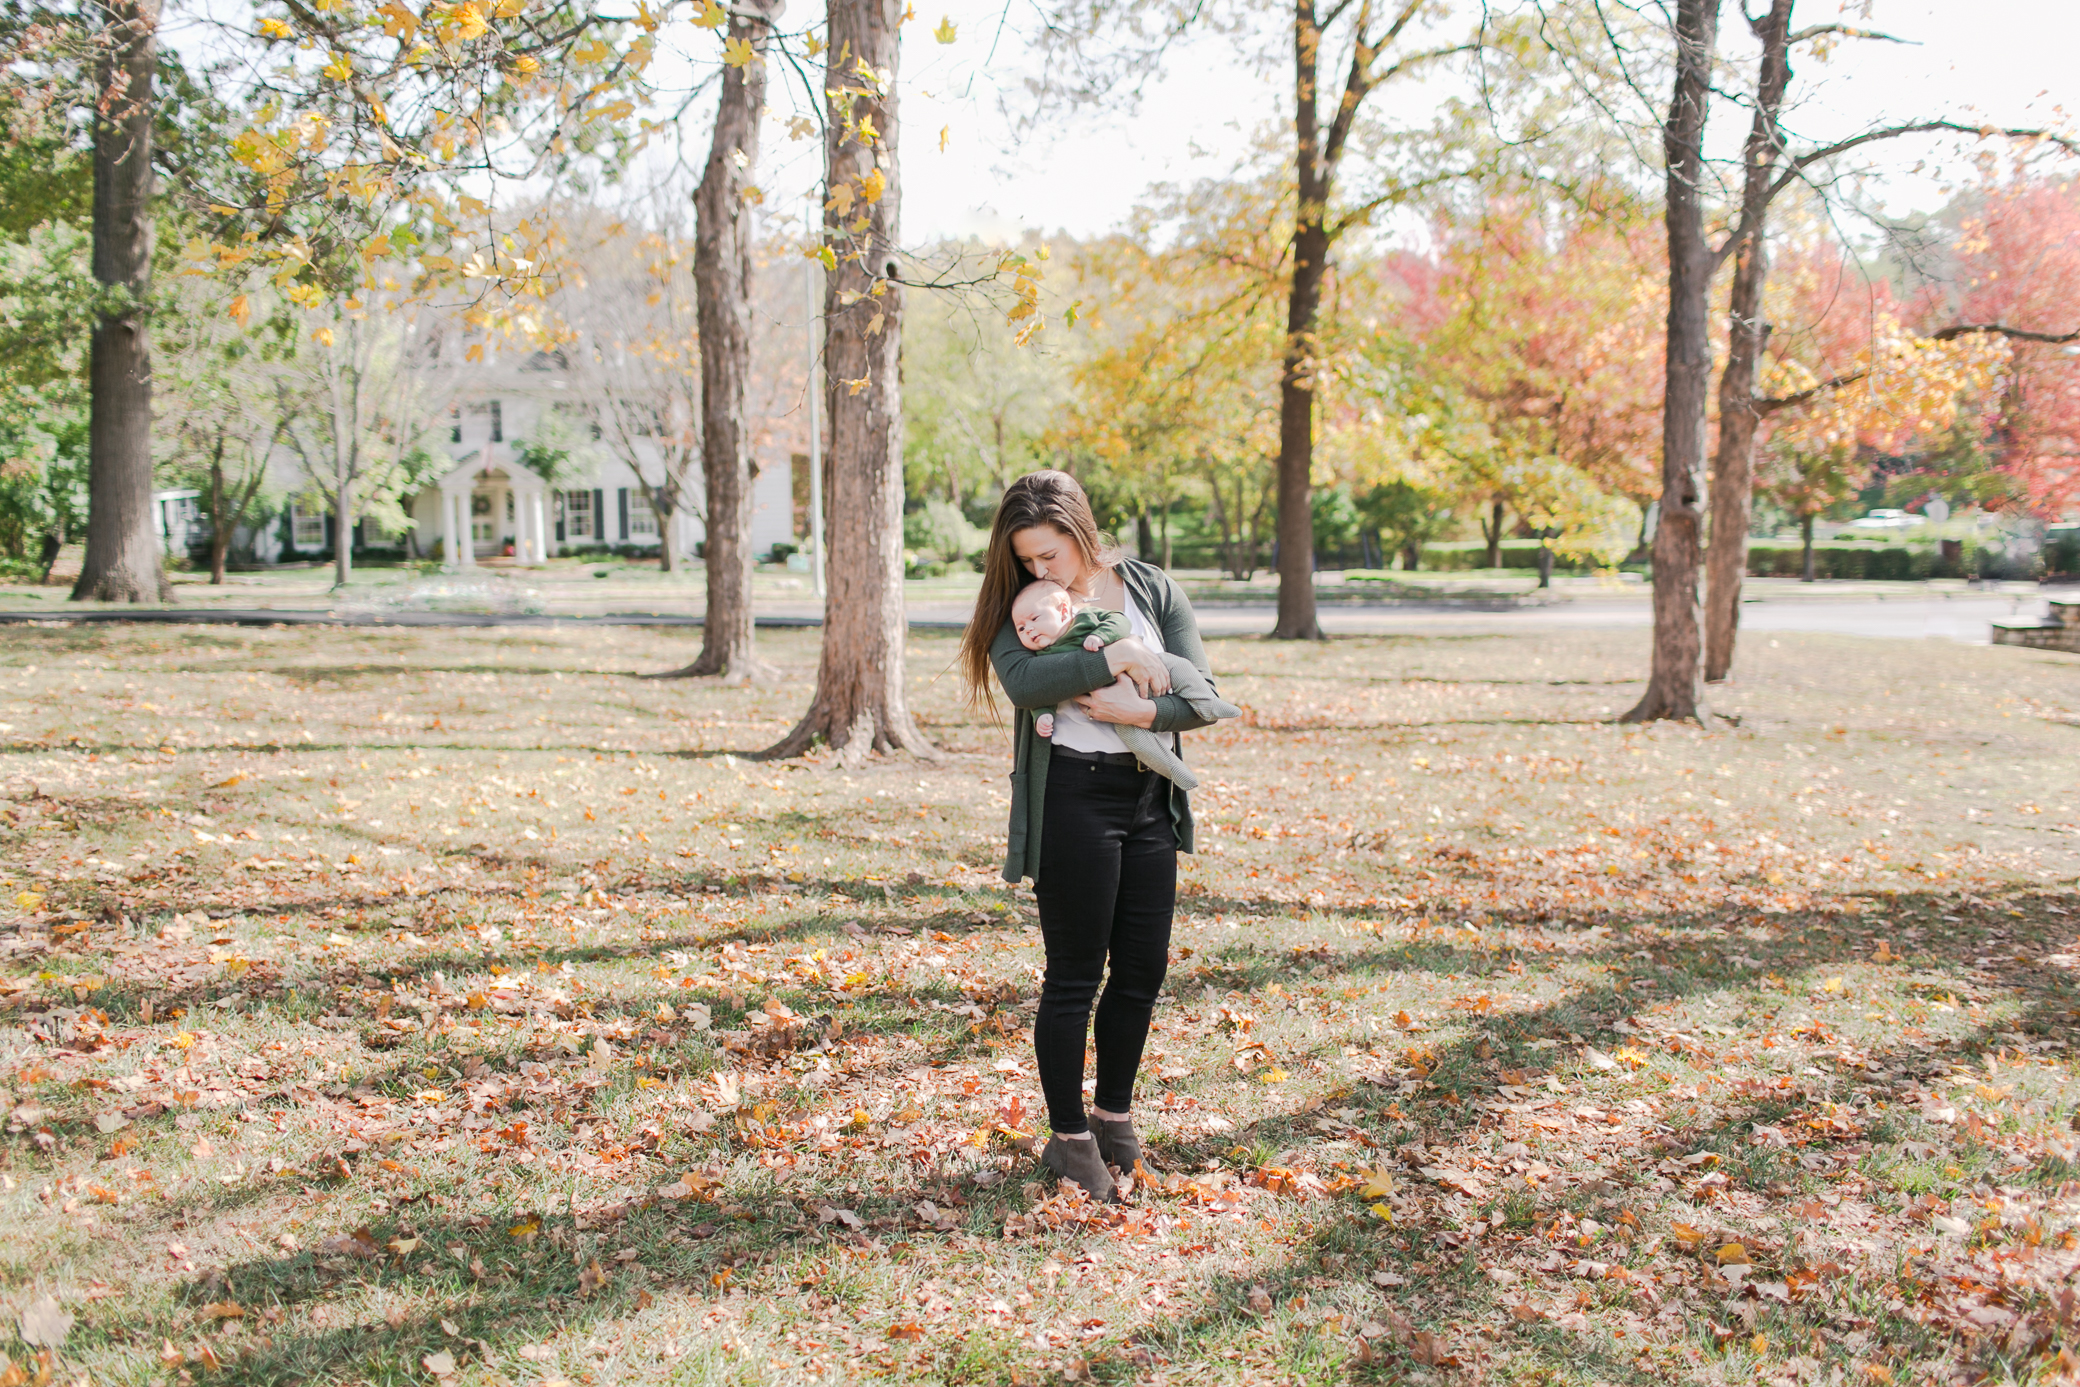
(1118, 1143)
(1076, 1159)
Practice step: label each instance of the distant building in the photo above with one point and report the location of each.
(506, 511)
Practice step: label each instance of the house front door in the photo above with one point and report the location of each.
(486, 509)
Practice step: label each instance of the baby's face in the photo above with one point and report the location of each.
(1040, 615)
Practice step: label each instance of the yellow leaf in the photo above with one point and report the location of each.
(712, 15)
(1687, 1236)
(1732, 1253)
(322, 336)
(946, 32)
(274, 29)
(29, 900)
(815, 45)
(1379, 1183)
(525, 1230)
(739, 53)
(853, 387)
(944, 130)
(340, 68)
(471, 22)
(507, 9)
(398, 22)
(1832, 985)
(872, 185)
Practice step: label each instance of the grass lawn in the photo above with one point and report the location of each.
(396, 1005)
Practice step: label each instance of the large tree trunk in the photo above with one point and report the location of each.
(1491, 531)
(1676, 687)
(859, 705)
(722, 251)
(1733, 471)
(1296, 605)
(122, 559)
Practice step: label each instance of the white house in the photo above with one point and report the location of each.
(507, 512)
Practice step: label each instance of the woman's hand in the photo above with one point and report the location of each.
(1119, 703)
(1136, 661)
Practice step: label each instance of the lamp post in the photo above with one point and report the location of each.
(812, 223)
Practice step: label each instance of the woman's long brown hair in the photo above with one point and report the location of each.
(1049, 498)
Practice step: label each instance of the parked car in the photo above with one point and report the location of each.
(1888, 520)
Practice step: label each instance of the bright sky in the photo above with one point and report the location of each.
(1977, 59)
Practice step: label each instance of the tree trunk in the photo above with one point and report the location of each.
(1296, 604)
(665, 557)
(1805, 530)
(859, 705)
(1733, 471)
(1411, 556)
(1491, 531)
(219, 532)
(722, 265)
(1676, 687)
(122, 561)
(343, 527)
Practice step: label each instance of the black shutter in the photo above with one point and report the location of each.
(556, 502)
(622, 496)
(599, 515)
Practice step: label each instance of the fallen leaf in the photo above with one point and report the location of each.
(592, 1278)
(45, 1323)
(440, 1364)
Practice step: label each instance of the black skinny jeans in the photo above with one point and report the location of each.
(1107, 889)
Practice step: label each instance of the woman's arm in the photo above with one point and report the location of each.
(1033, 679)
(1181, 638)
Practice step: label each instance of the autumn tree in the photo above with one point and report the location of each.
(976, 406)
(859, 706)
(1339, 57)
(2012, 270)
(229, 388)
(122, 558)
(360, 412)
(634, 347)
(725, 218)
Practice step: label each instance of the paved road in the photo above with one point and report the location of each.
(1965, 617)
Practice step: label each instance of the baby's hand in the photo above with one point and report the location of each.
(1044, 724)
(1093, 642)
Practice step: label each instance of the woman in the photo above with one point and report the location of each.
(1098, 834)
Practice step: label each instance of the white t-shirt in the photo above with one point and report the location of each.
(1073, 727)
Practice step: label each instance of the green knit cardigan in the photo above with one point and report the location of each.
(1040, 680)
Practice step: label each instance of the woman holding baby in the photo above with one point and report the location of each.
(1101, 657)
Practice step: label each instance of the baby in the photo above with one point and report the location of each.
(1047, 620)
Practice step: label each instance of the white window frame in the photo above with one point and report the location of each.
(578, 520)
(306, 526)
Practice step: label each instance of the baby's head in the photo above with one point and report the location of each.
(1041, 612)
